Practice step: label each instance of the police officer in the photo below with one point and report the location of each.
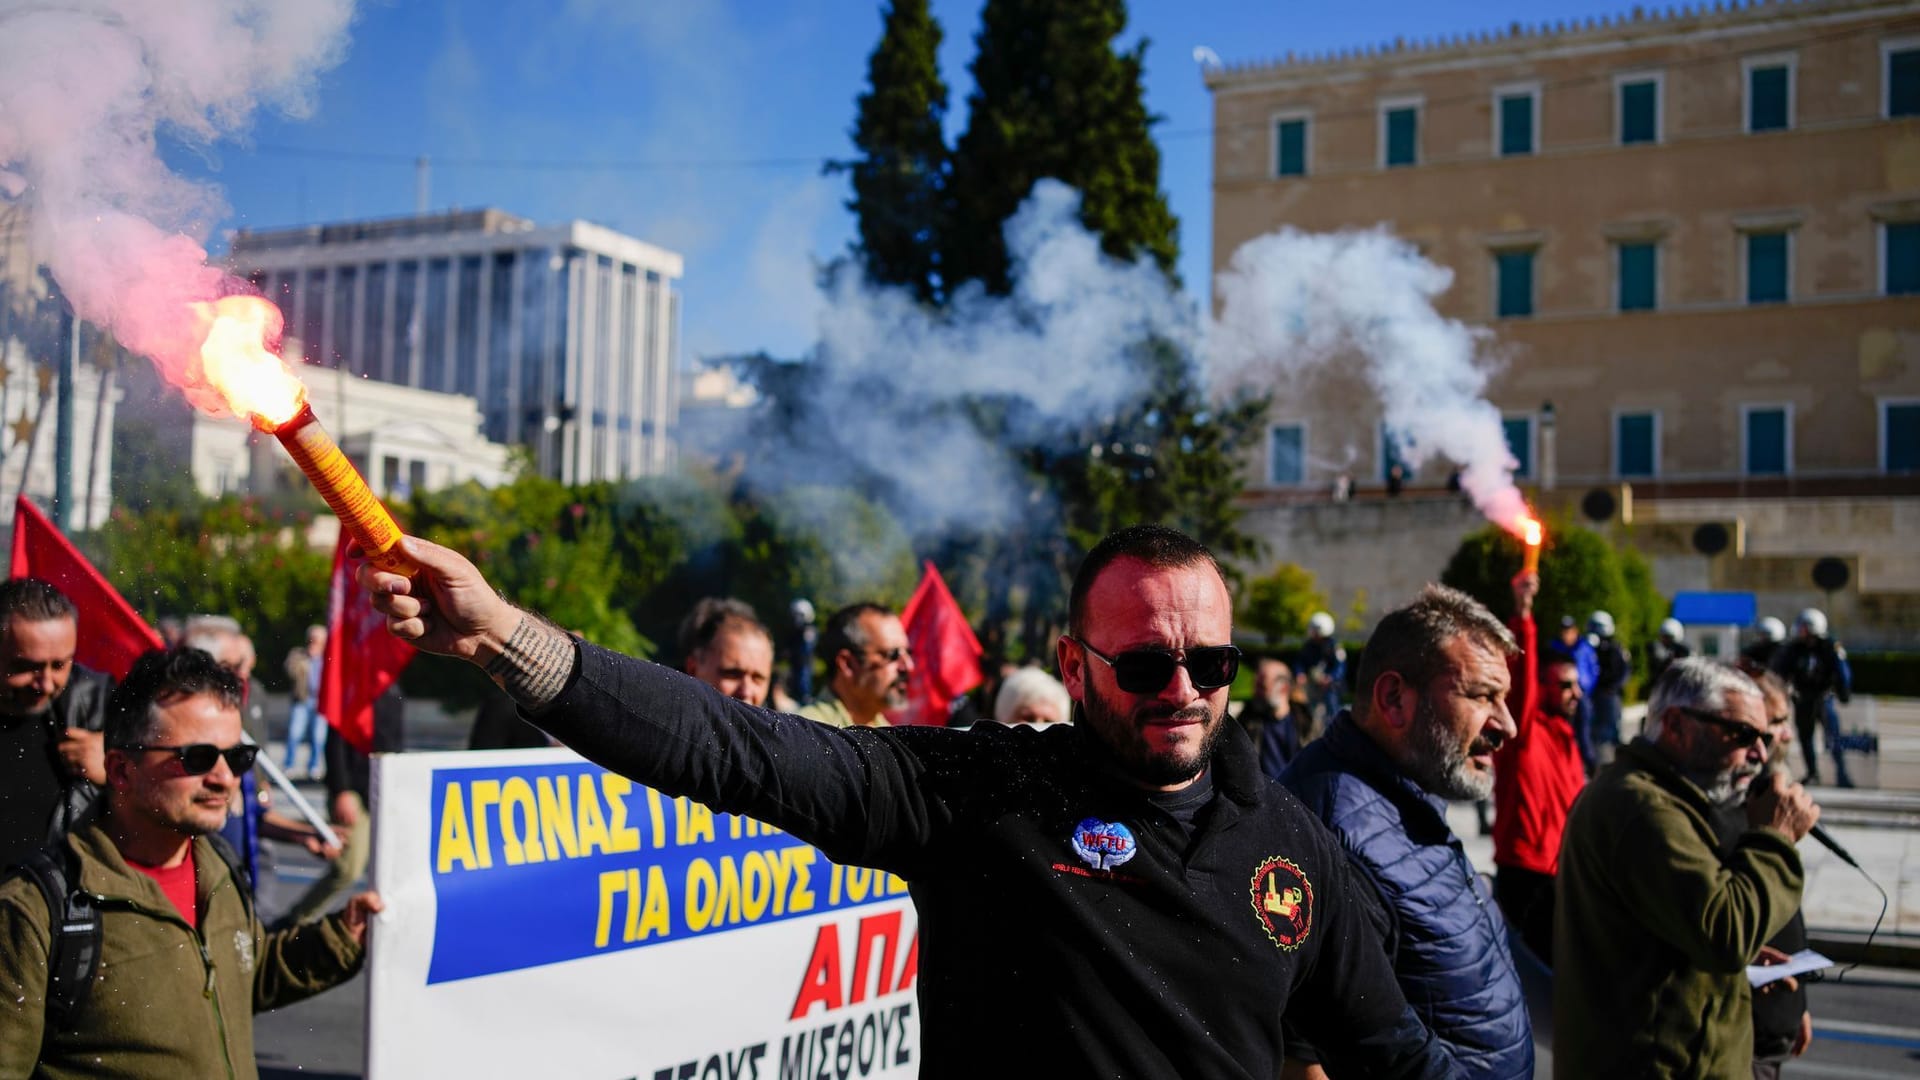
(1816, 667)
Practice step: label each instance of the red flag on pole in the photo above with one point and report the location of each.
(946, 655)
(112, 635)
(361, 660)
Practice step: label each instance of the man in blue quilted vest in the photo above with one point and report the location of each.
(1430, 709)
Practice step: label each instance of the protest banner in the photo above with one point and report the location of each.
(548, 918)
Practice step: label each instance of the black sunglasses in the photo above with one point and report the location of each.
(1735, 732)
(1148, 671)
(198, 758)
(891, 656)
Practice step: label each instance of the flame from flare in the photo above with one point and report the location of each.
(1529, 530)
(234, 360)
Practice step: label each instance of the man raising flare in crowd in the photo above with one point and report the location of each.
(1175, 904)
(1658, 919)
(1537, 773)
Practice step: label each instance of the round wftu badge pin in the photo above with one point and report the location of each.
(1283, 898)
(1103, 845)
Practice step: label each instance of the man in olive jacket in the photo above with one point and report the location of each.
(184, 963)
(1655, 925)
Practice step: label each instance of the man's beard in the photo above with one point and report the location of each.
(1722, 787)
(1439, 763)
(1122, 735)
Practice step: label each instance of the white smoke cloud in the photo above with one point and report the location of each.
(87, 88)
(1293, 301)
(894, 377)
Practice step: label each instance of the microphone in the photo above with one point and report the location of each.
(1833, 845)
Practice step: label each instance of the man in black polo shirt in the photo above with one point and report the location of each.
(1173, 904)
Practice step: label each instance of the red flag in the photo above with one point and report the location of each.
(946, 655)
(362, 659)
(112, 634)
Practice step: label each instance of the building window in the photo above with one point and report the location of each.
(1766, 440)
(1900, 258)
(1513, 284)
(1516, 117)
(416, 477)
(1639, 285)
(1639, 107)
(1900, 68)
(1769, 93)
(1519, 433)
(1900, 436)
(1287, 455)
(1290, 145)
(390, 475)
(1393, 456)
(1399, 133)
(1767, 268)
(1636, 444)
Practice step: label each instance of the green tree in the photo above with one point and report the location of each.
(221, 557)
(1279, 604)
(1580, 572)
(899, 180)
(1053, 99)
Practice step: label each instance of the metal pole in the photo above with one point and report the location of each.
(300, 803)
(63, 422)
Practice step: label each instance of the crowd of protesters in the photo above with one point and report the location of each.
(1638, 879)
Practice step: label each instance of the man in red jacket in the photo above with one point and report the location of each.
(1537, 773)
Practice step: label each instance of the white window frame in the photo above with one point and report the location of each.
(1887, 49)
(1620, 414)
(1788, 60)
(1520, 89)
(1746, 261)
(1416, 102)
(1747, 409)
(1882, 406)
(1532, 420)
(1274, 120)
(1659, 274)
(1656, 76)
(1305, 434)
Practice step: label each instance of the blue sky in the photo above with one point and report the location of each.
(699, 125)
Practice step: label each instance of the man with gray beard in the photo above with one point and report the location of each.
(1430, 711)
(1657, 920)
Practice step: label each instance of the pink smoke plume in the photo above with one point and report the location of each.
(87, 89)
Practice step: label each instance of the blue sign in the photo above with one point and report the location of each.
(537, 864)
(1715, 608)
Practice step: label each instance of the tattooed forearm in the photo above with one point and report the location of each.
(534, 665)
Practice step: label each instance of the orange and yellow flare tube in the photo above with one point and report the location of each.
(1532, 535)
(351, 500)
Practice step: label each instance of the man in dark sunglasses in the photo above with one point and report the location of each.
(868, 665)
(161, 891)
(1174, 903)
(1654, 906)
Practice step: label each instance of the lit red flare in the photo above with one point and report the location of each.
(1532, 534)
(258, 385)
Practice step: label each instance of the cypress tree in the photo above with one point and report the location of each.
(899, 181)
(1053, 99)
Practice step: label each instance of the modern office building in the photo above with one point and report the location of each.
(1695, 238)
(566, 334)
